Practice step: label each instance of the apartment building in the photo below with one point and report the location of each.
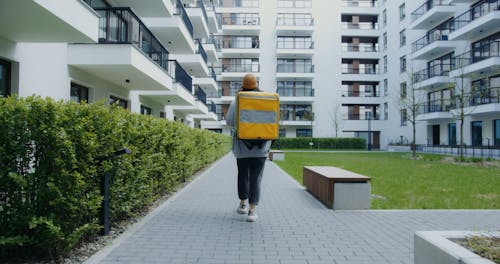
(342, 68)
(348, 68)
(150, 57)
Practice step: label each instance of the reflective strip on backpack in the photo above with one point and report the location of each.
(258, 117)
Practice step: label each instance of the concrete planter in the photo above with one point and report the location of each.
(437, 247)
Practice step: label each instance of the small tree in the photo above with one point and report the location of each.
(411, 101)
(336, 117)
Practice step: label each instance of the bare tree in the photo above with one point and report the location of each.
(411, 102)
(336, 117)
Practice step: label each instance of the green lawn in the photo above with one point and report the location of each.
(399, 182)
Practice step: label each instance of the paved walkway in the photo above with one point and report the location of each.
(200, 225)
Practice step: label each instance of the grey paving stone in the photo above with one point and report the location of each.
(200, 225)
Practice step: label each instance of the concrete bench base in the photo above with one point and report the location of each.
(276, 155)
(337, 188)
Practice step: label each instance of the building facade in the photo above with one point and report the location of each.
(349, 68)
(150, 57)
(343, 68)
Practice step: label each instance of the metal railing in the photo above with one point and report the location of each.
(184, 16)
(362, 47)
(483, 96)
(485, 150)
(435, 106)
(295, 68)
(361, 117)
(180, 75)
(294, 21)
(295, 92)
(202, 51)
(361, 93)
(428, 5)
(119, 25)
(212, 73)
(239, 3)
(428, 39)
(251, 19)
(212, 107)
(360, 3)
(239, 42)
(480, 10)
(441, 69)
(241, 67)
(478, 54)
(368, 69)
(360, 25)
(294, 43)
(200, 95)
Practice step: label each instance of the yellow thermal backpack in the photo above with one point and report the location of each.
(257, 115)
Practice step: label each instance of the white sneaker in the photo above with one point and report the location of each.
(252, 216)
(242, 209)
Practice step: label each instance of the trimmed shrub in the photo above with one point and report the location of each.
(50, 174)
(321, 143)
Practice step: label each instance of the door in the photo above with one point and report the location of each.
(435, 135)
(376, 139)
(476, 133)
(452, 134)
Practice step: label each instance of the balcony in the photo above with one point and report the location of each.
(199, 109)
(433, 77)
(67, 21)
(210, 48)
(364, 29)
(176, 31)
(360, 51)
(121, 55)
(213, 21)
(240, 47)
(478, 61)
(195, 64)
(353, 7)
(295, 71)
(240, 23)
(236, 71)
(207, 83)
(432, 46)
(294, 25)
(199, 18)
(483, 102)
(431, 13)
(436, 110)
(361, 93)
(290, 95)
(477, 23)
(288, 47)
(360, 117)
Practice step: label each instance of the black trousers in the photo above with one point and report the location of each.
(249, 177)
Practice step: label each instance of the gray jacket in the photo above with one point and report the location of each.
(240, 150)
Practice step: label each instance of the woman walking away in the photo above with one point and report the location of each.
(250, 159)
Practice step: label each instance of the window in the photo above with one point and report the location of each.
(384, 17)
(5, 72)
(402, 38)
(496, 132)
(303, 132)
(402, 12)
(79, 93)
(476, 133)
(294, 88)
(452, 134)
(294, 19)
(282, 132)
(118, 101)
(404, 117)
(403, 90)
(145, 110)
(402, 64)
(386, 111)
(384, 39)
(386, 87)
(385, 64)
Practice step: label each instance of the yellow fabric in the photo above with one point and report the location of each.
(259, 101)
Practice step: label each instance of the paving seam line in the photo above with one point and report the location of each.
(104, 252)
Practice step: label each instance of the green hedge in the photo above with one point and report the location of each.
(49, 177)
(321, 143)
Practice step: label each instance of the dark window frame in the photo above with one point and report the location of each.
(121, 102)
(80, 94)
(7, 90)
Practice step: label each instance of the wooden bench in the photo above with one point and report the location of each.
(276, 155)
(337, 188)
